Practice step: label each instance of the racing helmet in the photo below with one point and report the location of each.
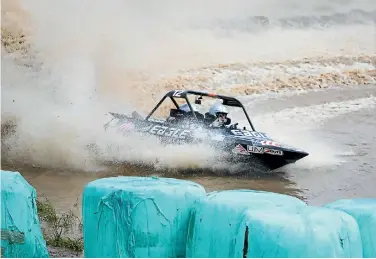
(219, 113)
(218, 110)
(185, 108)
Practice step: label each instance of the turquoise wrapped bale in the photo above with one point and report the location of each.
(364, 212)
(21, 234)
(137, 216)
(216, 219)
(307, 232)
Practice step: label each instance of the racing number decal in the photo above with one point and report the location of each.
(247, 133)
(178, 93)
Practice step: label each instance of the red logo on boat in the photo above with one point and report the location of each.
(270, 143)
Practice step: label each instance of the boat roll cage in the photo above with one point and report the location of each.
(183, 94)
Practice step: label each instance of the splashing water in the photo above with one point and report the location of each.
(66, 64)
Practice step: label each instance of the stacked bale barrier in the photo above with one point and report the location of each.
(364, 212)
(216, 220)
(137, 216)
(306, 232)
(247, 223)
(21, 234)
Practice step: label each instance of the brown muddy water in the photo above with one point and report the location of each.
(336, 126)
(55, 89)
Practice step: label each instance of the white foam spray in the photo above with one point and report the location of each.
(298, 127)
(86, 58)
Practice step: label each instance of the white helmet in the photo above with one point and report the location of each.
(185, 108)
(217, 108)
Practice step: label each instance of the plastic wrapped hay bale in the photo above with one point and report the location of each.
(216, 219)
(21, 235)
(364, 211)
(137, 216)
(306, 232)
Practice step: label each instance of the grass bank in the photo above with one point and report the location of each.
(60, 230)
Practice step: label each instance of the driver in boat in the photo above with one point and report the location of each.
(217, 116)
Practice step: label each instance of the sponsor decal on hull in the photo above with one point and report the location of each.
(239, 149)
(273, 152)
(262, 150)
(256, 150)
(169, 132)
(247, 133)
(270, 143)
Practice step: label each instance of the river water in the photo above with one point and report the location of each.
(336, 126)
(305, 70)
(316, 60)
